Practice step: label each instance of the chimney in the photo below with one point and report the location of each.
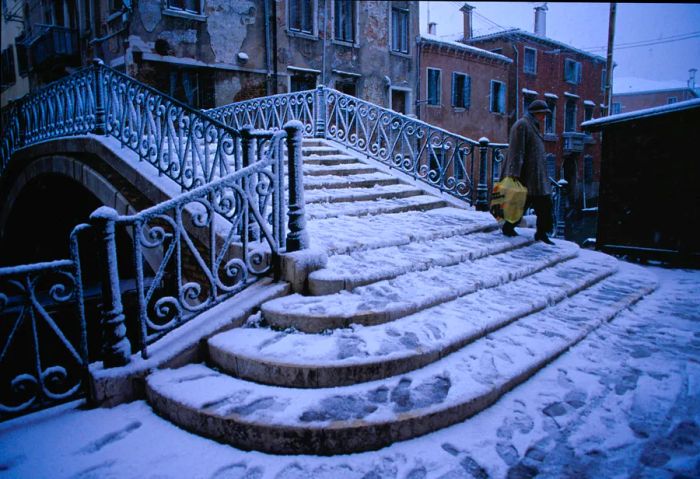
(467, 12)
(432, 28)
(541, 20)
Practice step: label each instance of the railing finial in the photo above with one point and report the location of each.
(298, 237)
(482, 189)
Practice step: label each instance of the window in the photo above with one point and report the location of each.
(498, 97)
(437, 158)
(527, 99)
(347, 86)
(344, 21)
(301, 16)
(302, 81)
(587, 112)
(22, 55)
(461, 90)
(570, 115)
(616, 108)
(399, 30)
(588, 170)
(191, 86)
(603, 80)
(572, 71)
(551, 118)
(530, 60)
(672, 99)
(434, 90)
(551, 165)
(399, 101)
(187, 6)
(7, 74)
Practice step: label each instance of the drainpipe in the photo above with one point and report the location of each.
(268, 53)
(274, 53)
(418, 102)
(517, 72)
(325, 37)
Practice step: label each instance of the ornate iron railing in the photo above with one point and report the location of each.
(182, 143)
(453, 164)
(43, 346)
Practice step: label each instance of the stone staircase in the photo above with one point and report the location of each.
(424, 315)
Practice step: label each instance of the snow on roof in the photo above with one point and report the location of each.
(645, 113)
(531, 36)
(461, 46)
(629, 85)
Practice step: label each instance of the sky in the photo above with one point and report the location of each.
(654, 42)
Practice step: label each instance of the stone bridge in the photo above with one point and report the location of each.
(320, 296)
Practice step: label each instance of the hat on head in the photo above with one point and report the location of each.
(538, 106)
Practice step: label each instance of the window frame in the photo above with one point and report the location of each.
(534, 68)
(405, 16)
(501, 97)
(578, 71)
(439, 86)
(314, 19)
(353, 22)
(570, 101)
(550, 119)
(172, 11)
(466, 91)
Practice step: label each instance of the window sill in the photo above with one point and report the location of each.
(433, 106)
(550, 137)
(307, 36)
(186, 15)
(459, 109)
(400, 54)
(343, 43)
(532, 74)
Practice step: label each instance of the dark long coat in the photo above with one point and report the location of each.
(526, 157)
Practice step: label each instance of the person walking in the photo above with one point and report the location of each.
(526, 163)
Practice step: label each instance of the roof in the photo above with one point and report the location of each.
(433, 40)
(630, 85)
(645, 113)
(517, 32)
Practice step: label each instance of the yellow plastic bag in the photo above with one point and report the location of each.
(508, 200)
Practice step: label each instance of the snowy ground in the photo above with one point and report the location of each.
(623, 403)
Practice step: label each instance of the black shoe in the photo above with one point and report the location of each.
(544, 238)
(509, 229)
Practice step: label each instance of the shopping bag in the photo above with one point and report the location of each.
(508, 200)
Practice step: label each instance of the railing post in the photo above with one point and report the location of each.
(482, 193)
(100, 123)
(298, 237)
(561, 208)
(116, 348)
(248, 183)
(320, 112)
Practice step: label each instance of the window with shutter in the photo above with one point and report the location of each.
(570, 115)
(551, 165)
(461, 90)
(498, 97)
(572, 71)
(399, 30)
(433, 86)
(550, 118)
(530, 61)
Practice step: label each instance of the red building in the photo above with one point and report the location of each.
(463, 89)
(571, 81)
(626, 102)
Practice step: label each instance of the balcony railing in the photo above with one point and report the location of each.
(573, 141)
(54, 44)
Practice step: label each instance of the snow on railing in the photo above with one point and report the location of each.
(453, 164)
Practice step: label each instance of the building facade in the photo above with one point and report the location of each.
(626, 102)
(463, 89)
(213, 52)
(572, 83)
(14, 81)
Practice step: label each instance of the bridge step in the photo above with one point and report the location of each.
(374, 414)
(343, 234)
(360, 354)
(348, 181)
(356, 168)
(388, 300)
(420, 202)
(348, 271)
(343, 195)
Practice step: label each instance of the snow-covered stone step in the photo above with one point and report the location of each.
(347, 233)
(342, 170)
(348, 181)
(320, 150)
(358, 354)
(330, 195)
(348, 271)
(388, 300)
(330, 160)
(374, 414)
(317, 210)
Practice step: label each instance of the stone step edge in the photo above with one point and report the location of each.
(319, 286)
(405, 191)
(351, 436)
(426, 204)
(259, 370)
(350, 183)
(315, 324)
